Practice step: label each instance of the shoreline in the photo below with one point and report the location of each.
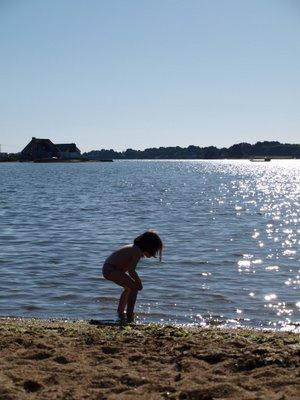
(62, 359)
(293, 328)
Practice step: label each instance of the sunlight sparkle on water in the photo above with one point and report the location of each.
(270, 297)
(231, 230)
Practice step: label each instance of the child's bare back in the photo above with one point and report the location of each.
(126, 258)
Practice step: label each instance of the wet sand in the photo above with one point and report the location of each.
(76, 360)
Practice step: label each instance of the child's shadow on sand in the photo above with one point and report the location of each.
(108, 322)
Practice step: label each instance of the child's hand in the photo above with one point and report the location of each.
(136, 279)
(140, 287)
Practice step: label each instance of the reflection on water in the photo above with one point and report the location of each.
(231, 230)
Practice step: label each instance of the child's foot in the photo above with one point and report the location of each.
(122, 317)
(130, 318)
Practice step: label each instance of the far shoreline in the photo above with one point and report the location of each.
(262, 159)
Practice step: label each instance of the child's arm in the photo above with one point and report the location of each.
(132, 272)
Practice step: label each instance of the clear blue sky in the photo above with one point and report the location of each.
(149, 73)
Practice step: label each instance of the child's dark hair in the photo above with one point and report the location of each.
(150, 241)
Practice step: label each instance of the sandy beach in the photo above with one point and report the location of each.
(77, 360)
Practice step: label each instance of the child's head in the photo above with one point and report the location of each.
(150, 244)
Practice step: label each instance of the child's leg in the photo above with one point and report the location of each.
(123, 302)
(130, 304)
(130, 292)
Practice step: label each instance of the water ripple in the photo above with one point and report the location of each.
(231, 230)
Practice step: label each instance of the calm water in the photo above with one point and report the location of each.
(231, 231)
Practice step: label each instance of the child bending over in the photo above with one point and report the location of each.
(120, 267)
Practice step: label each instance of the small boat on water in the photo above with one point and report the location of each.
(260, 159)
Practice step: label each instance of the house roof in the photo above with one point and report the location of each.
(39, 142)
(38, 148)
(67, 147)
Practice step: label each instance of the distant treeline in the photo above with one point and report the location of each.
(241, 150)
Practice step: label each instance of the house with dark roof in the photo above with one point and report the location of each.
(68, 150)
(38, 149)
(44, 149)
